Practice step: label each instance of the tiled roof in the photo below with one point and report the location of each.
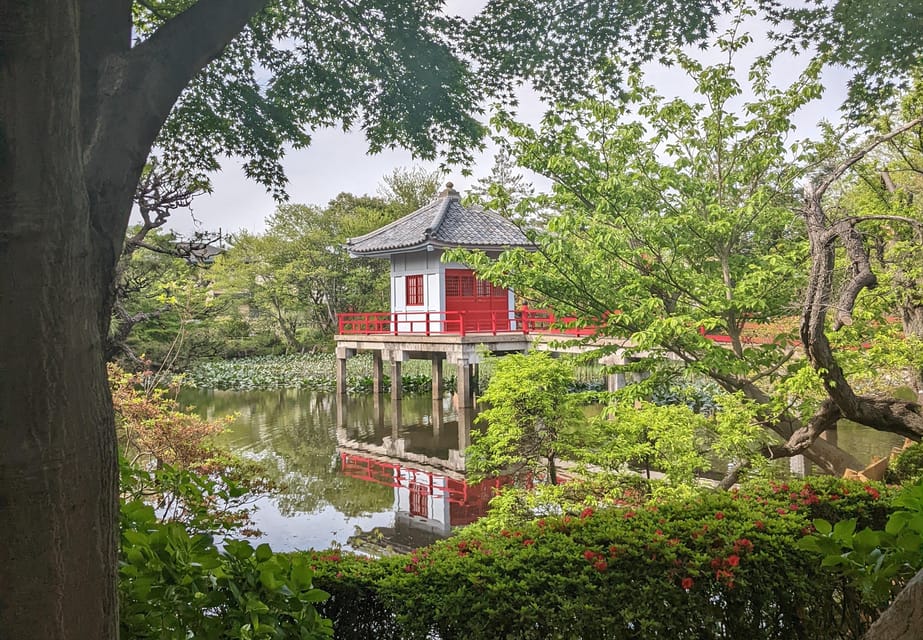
(444, 222)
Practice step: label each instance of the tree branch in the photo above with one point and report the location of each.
(137, 90)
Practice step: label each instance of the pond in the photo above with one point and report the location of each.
(388, 476)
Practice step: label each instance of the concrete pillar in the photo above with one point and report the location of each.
(475, 378)
(463, 384)
(799, 466)
(377, 373)
(396, 385)
(437, 378)
(615, 381)
(465, 420)
(341, 375)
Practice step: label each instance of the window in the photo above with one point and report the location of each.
(414, 286)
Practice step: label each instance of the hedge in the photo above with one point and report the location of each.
(718, 566)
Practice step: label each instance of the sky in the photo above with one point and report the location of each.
(338, 161)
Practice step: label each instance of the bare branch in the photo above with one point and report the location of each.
(843, 167)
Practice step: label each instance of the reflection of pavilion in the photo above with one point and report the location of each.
(421, 462)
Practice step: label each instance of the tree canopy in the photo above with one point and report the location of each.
(676, 229)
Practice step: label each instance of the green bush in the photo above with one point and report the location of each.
(718, 565)
(177, 585)
(907, 468)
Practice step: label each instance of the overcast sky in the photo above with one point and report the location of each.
(338, 161)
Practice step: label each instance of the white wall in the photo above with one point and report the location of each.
(426, 263)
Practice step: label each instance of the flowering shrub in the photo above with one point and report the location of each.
(718, 565)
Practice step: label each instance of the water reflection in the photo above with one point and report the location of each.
(362, 472)
(367, 472)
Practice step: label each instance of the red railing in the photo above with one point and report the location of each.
(428, 323)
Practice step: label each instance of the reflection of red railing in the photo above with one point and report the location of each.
(421, 484)
(524, 321)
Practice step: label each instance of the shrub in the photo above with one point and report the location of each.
(718, 565)
(176, 585)
(907, 468)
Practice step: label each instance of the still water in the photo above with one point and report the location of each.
(387, 475)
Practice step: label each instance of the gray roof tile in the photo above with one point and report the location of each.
(442, 222)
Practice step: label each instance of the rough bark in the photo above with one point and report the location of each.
(881, 413)
(70, 157)
(903, 620)
(58, 475)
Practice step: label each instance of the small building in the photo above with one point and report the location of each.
(439, 311)
(430, 296)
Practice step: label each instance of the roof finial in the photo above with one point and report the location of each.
(450, 192)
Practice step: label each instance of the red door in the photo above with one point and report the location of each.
(481, 306)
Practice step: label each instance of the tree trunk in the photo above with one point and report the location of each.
(903, 620)
(58, 472)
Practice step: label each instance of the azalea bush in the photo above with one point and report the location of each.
(716, 565)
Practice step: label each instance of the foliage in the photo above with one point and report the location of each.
(907, 468)
(303, 371)
(178, 585)
(879, 40)
(503, 190)
(529, 418)
(165, 312)
(296, 277)
(717, 565)
(877, 561)
(169, 458)
(684, 215)
(408, 189)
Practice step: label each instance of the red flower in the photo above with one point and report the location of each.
(743, 545)
(733, 560)
(589, 555)
(781, 511)
(463, 545)
(872, 491)
(586, 513)
(613, 551)
(629, 514)
(601, 565)
(528, 542)
(719, 515)
(541, 523)
(687, 583)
